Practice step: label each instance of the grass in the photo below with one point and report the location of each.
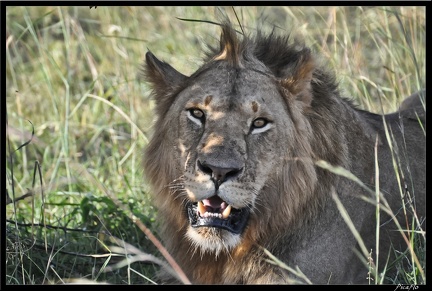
(73, 88)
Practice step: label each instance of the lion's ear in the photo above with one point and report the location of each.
(297, 77)
(163, 78)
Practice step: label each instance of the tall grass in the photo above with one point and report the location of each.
(73, 72)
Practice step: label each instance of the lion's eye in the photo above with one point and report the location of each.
(260, 125)
(196, 115)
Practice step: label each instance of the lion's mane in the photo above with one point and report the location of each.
(294, 205)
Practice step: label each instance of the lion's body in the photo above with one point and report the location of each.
(246, 130)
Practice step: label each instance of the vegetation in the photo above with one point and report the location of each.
(79, 116)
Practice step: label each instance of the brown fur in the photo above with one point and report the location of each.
(272, 170)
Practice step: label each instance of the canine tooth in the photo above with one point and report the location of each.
(226, 212)
(201, 208)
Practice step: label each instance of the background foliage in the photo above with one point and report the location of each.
(73, 87)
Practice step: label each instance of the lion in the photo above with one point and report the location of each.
(234, 168)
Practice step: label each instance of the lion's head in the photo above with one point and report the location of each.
(227, 140)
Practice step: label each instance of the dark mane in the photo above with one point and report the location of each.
(280, 56)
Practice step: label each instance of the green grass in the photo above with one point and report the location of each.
(72, 77)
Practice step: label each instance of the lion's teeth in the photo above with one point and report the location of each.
(201, 208)
(202, 211)
(226, 212)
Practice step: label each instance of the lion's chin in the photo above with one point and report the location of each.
(212, 240)
(216, 228)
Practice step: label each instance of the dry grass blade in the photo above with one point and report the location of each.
(297, 272)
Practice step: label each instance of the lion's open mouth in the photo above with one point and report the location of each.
(214, 212)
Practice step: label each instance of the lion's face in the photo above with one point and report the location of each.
(229, 124)
(227, 141)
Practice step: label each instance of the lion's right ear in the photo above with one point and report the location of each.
(297, 76)
(163, 78)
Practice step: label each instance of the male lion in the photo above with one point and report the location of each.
(235, 172)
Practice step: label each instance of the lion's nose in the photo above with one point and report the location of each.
(218, 174)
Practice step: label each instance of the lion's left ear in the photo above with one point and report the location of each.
(297, 77)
